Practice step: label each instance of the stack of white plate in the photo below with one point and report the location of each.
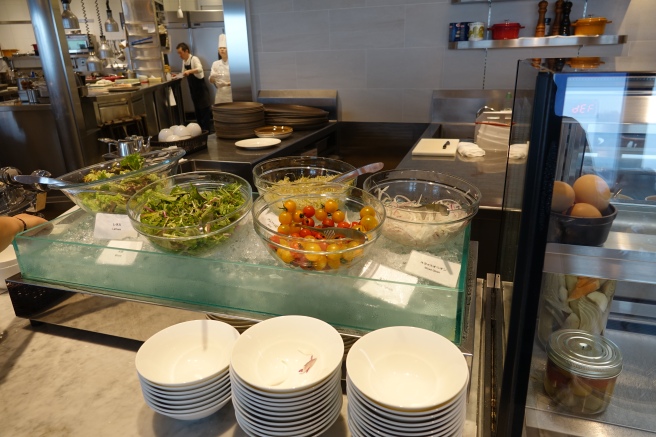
(183, 369)
(285, 374)
(404, 381)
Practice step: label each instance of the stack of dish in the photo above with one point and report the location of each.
(285, 374)
(240, 324)
(279, 132)
(405, 381)
(297, 116)
(237, 119)
(183, 369)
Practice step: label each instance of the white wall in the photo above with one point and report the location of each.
(386, 56)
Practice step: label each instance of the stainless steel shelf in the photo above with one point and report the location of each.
(549, 41)
(455, 2)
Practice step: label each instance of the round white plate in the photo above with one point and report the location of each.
(191, 410)
(406, 368)
(187, 353)
(198, 415)
(402, 416)
(187, 404)
(287, 354)
(257, 143)
(213, 384)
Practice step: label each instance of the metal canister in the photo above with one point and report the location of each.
(582, 369)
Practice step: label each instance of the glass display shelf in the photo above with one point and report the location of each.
(241, 277)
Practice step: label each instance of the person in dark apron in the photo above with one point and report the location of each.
(193, 70)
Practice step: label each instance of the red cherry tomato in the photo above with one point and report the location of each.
(323, 245)
(354, 224)
(305, 232)
(343, 224)
(275, 239)
(307, 221)
(328, 223)
(319, 236)
(293, 234)
(308, 211)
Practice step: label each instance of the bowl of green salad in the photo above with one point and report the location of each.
(107, 187)
(191, 213)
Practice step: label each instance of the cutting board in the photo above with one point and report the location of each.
(435, 147)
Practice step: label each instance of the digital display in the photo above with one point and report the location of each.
(582, 108)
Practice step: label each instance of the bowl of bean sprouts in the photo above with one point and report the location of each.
(425, 209)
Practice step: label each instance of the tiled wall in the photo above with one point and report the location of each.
(386, 56)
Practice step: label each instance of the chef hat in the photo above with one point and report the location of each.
(222, 41)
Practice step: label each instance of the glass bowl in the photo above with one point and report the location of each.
(199, 234)
(425, 209)
(321, 250)
(268, 175)
(110, 195)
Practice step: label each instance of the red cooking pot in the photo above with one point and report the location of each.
(506, 30)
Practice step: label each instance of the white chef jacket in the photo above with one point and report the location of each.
(195, 64)
(220, 77)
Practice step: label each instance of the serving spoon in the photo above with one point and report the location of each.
(369, 168)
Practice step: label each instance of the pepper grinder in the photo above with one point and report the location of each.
(542, 11)
(566, 24)
(555, 27)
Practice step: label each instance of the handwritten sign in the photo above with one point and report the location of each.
(433, 268)
(387, 287)
(113, 227)
(114, 256)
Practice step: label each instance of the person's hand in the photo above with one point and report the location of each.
(31, 220)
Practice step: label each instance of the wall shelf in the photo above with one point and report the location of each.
(549, 41)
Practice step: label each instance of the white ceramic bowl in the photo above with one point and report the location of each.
(271, 355)
(187, 406)
(172, 138)
(218, 380)
(407, 369)
(164, 134)
(202, 413)
(194, 129)
(187, 353)
(218, 385)
(181, 131)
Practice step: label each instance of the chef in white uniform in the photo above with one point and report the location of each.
(220, 74)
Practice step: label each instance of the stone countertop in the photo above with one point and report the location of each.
(488, 173)
(61, 382)
(219, 149)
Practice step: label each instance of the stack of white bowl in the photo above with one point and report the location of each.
(285, 374)
(404, 381)
(183, 369)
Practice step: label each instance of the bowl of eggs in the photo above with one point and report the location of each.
(581, 213)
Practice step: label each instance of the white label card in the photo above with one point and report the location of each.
(270, 220)
(390, 292)
(433, 268)
(113, 227)
(115, 257)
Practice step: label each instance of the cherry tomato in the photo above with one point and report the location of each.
(319, 236)
(321, 214)
(312, 247)
(328, 223)
(308, 211)
(323, 245)
(294, 228)
(307, 221)
(275, 239)
(343, 224)
(354, 244)
(285, 218)
(333, 256)
(367, 211)
(334, 264)
(290, 206)
(309, 237)
(354, 224)
(358, 227)
(284, 229)
(331, 206)
(369, 222)
(305, 232)
(285, 255)
(339, 216)
(321, 263)
(297, 216)
(295, 235)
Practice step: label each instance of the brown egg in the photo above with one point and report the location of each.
(563, 197)
(585, 210)
(593, 190)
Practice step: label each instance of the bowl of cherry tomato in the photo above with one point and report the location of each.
(328, 230)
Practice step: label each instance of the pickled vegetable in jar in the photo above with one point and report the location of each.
(582, 369)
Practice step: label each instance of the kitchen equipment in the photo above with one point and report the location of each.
(268, 175)
(566, 23)
(69, 20)
(279, 132)
(369, 168)
(80, 44)
(590, 26)
(558, 12)
(110, 24)
(123, 147)
(583, 231)
(476, 31)
(425, 209)
(506, 30)
(540, 29)
(330, 255)
(436, 147)
(203, 235)
(298, 117)
(582, 370)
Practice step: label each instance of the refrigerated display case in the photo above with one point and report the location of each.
(577, 289)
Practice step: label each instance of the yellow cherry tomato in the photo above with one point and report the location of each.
(339, 216)
(369, 222)
(331, 206)
(333, 256)
(290, 206)
(312, 247)
(321, 263)
(284, 229)
(285, 255)
(334, 264)
(285, 218)
(353, 245)
(297, 216)
(321, 214)
(367, 211)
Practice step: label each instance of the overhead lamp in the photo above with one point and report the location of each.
(69, 19)
(93, 63)
(180, 14)
(105, 51)
(110, 24)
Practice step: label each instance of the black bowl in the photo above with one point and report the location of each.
(581, 231)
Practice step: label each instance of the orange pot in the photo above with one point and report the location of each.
(590, 26)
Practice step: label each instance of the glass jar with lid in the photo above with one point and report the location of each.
(582, 369)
